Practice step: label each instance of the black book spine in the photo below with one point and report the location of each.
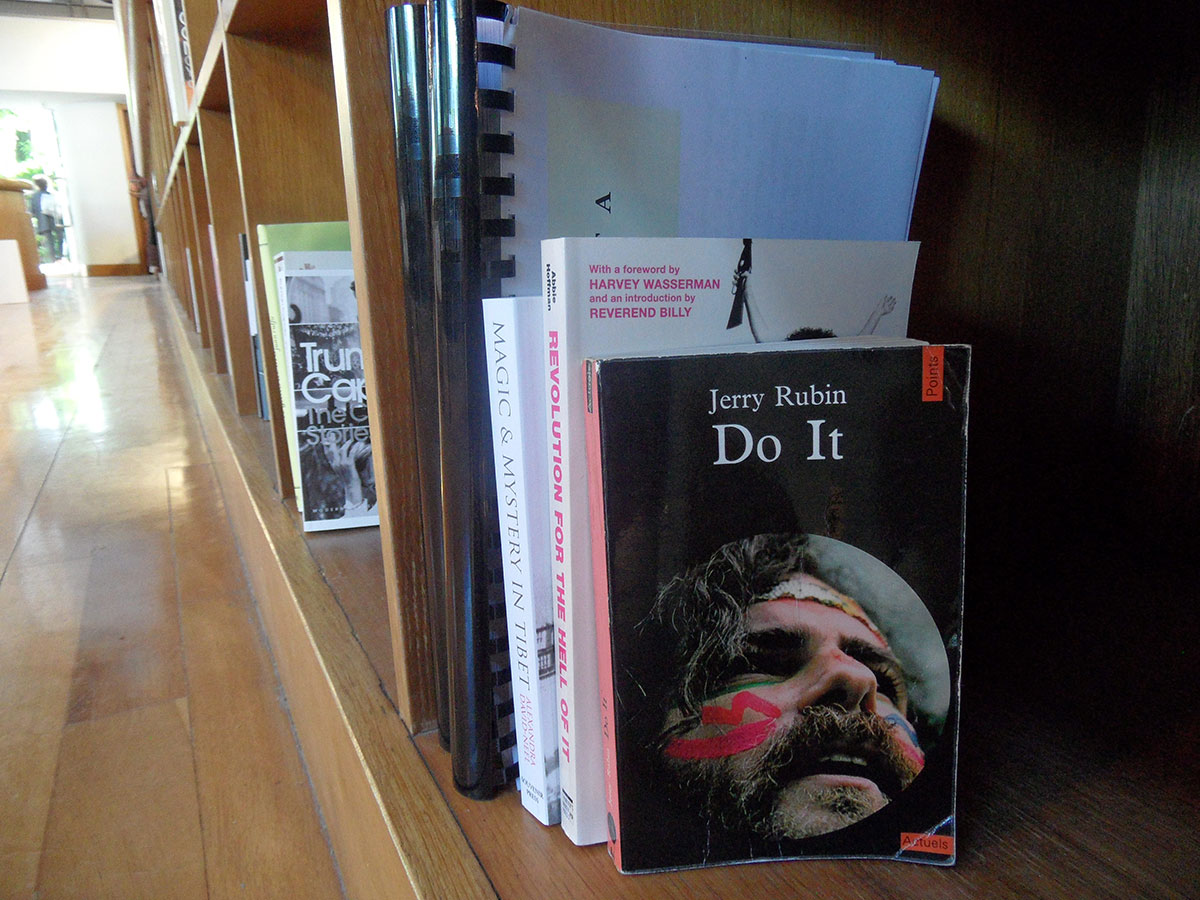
(414, 174)
(465, 243)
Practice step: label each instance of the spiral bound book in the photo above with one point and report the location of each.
(545, 127)
(618, 134)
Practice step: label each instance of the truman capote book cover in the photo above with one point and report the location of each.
(327, 383)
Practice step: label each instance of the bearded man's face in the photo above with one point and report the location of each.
(808, 732)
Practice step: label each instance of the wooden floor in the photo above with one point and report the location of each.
(146, 750)
(145, 746)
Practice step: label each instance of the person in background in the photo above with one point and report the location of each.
(43, 206)
(139, 187)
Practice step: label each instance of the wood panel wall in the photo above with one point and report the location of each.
(1056, 212)
(1057, 215)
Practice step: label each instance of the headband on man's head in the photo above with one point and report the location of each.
(803, 586)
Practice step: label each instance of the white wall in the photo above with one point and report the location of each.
(66, 56)
(93, 155)
(76, 68)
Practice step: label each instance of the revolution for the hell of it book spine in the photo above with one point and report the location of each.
(581, 762)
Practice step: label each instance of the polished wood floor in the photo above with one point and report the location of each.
(145, 745)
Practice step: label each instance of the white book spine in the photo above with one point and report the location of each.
(248, 281)
(260, 385)
(513, 330)
(581, 752)
(280, 332)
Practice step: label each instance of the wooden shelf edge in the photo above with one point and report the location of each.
(391, 829)
(212, 88)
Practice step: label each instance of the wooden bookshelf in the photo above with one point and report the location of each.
(1057, 216)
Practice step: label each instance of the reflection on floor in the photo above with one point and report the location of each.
(145, 750)
(61, 268)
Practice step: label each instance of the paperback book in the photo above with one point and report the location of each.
(624, 295)
(273, 240)
(778, 540)
(175, 51)
(327, 386)
(513, 326)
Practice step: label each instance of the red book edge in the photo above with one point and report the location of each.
(603, 624)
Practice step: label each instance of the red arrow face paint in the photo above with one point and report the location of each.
(743, 736)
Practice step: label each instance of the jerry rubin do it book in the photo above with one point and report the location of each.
(777, 544)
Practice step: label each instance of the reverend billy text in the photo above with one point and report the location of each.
(643, 292)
